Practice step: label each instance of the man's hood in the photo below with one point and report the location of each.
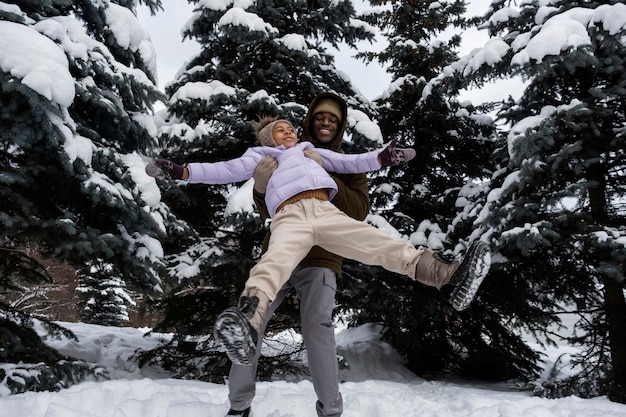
(335, 144)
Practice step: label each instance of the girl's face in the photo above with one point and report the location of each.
(284, 134)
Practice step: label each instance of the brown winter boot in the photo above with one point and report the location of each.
(466, 275)
(238, 328)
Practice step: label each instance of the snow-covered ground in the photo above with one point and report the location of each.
(376, 385)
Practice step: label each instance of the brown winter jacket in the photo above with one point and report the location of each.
(352, 197)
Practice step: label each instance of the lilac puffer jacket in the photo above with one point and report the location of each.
(295, 172)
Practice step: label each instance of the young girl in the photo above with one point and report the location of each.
(298, 198)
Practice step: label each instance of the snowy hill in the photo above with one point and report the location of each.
(376, 385)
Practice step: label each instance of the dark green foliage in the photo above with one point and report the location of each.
(453, 141)
(558, 194)
(50, 196)
(71, 186)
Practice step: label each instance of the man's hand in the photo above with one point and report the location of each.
(263, 172)
(310, 153)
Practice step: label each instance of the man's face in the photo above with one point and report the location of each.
(325, 127)
(283, 134)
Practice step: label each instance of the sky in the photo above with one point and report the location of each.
(376, 384)
(371, 80)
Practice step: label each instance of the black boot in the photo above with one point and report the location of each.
(237, 328)
(242, 413)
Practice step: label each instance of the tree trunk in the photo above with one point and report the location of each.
(614, 302)
(615, 305)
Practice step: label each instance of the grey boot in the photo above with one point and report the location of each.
(470, 274)
(435, 270)
(237, 328)
(465, 275)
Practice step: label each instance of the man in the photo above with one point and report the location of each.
(315, 279)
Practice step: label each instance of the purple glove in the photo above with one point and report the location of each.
(162, 168)
(395, 156)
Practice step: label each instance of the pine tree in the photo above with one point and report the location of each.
(257, 58)
(106, 299)
(453, 140)
(555, 206)
(76, 96)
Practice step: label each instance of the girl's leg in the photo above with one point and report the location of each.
(353, 239)
(238, 329)
(291, 239)
(242, 379)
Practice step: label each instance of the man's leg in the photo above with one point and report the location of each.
(316, 288)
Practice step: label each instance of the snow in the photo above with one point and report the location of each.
(37, 53)
(37, 61)
(122, 23)
(528, 229)
(79, 147)
(503, 15)
(224, 4)
(559, 33)
(188, 264)
(239, 17)
(360, 24)
(297, 42)
(362, 124)
(612, 18)
(146, 185)
(130, 35)
(294, 41)
(568, 30)
(202, 91)
(376, 384)
(241, 200)
(521, 128)
(551, 36)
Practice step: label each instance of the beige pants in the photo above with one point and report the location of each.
(301, 225)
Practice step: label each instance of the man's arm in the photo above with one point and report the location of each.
(262, 174)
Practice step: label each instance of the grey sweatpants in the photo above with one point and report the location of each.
(316, 289)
